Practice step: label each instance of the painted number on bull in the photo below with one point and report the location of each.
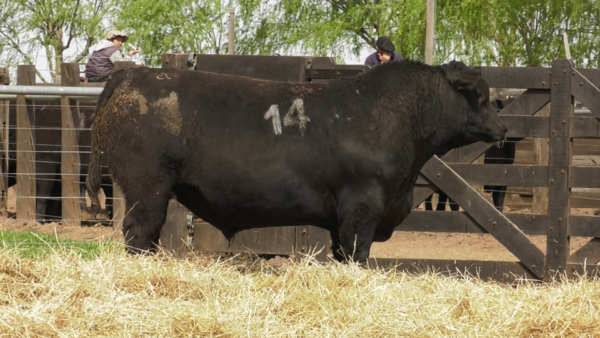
(294, 116)
(273, 113)
(299, 119)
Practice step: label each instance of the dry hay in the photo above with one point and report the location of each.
(117, 295)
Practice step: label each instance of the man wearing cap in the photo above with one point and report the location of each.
(385, 53)
(105, 54)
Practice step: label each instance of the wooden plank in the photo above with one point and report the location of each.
(331, 73)
(174, 234)
(499, 174)
(527, 126)
(517, 77)
(301, 245)
(270, 241)
(506, 272)
(460, 222)
(69, 162)
(584, 226)
(484, 213)
(26, 200)
(527, 104)
(558, 242)
(4, 76)
(593, 75)
(585, 199)
(584, 177)
(176, 60)
(586, 92)
(541, 152)
(319, 240)
(266, 67)
(589, 147)
(585, 127)
(587, 254)
(502, 174)
(312, 240)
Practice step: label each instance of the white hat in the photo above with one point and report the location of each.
(115, 34)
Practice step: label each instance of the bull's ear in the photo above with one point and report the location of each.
(461, 76)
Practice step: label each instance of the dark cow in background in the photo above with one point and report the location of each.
(240, 153)
(501, 153)
(47, 137)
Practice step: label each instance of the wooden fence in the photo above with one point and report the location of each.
(543, 114)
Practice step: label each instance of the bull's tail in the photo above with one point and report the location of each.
(94, 177)
(94, 180)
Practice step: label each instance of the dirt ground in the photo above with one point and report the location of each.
(417, 245)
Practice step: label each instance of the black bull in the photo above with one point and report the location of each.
(241, 153)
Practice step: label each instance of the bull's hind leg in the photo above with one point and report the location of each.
(359, 214)
(146, 209)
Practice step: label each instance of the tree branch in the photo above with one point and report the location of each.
(72, 25)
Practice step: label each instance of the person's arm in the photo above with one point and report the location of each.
(370, 61)
(117, 56)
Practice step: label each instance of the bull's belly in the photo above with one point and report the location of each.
(241, 210)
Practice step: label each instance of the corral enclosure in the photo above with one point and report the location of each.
(554, 171)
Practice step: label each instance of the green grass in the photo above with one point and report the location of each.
(38, 245)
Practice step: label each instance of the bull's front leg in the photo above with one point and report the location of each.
(359, 213)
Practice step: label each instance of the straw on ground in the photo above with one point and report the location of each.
(116, 295)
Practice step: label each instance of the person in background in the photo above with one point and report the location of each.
(102, 62)
(385, 53)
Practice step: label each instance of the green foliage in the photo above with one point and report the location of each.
(38, 245)
(337, 28)
(517, 33)
(191, 26)
(52, 26)
(486, 32)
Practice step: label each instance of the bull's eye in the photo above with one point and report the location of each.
(478, 94)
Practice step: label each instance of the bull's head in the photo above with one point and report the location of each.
(483, 123)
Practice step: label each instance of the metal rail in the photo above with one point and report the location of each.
(51, 90)
(47, 97)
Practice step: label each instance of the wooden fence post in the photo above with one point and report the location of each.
(118, 201)
(176, 60)
(4, 125)
(26, 197)
(559, 207)
(541, 152)
(174, 234)
(69, 162)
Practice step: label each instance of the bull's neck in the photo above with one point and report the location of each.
(429, 119)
